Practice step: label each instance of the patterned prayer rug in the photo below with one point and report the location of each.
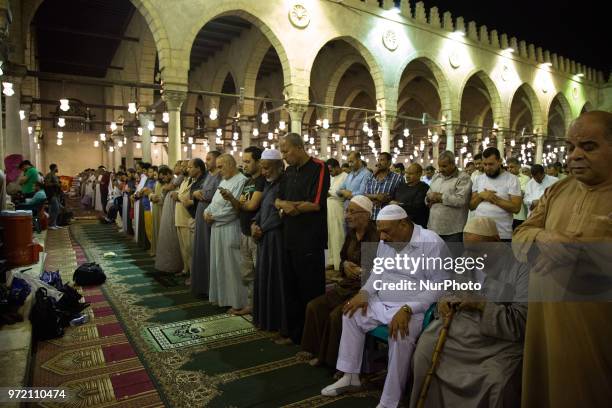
(195, 353)
(95, 361)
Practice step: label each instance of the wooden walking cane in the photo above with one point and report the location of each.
(435, 358)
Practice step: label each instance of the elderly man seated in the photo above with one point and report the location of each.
(479, 365)
(381, 301)
(323, 325)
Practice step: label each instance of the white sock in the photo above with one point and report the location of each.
(347, 379)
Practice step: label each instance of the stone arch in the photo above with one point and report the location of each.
(336, 76)
(146, 10)
(222, 9)
(220, 75)
(494, 97)
(368, 58)
(252, 69)
(443, 86)
(587, 107)
(565, 107)
(534, 106)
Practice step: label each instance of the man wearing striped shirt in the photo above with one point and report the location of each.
(381, 187)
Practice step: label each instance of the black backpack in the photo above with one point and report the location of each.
(46, 320)
(89, 274)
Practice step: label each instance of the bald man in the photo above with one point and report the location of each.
(226, 288)
(411, 195)
(568, 358)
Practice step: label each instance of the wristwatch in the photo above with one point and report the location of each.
(407, 309)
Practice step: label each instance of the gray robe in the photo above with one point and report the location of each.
(200, 264)
(268, 293)
(480, 365)
(168, 254)
(226, 286)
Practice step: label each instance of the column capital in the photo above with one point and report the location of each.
(388, 116)
(174, 99)
(144, 118)
(296, 106)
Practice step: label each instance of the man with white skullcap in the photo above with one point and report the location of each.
(486, 336)
(383, 301)
(266, 229)
(323, 325)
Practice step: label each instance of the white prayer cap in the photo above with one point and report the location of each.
(391, 212)
(363, 202)
(271, 154)
(483, 226)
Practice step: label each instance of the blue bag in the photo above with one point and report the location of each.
(20, 289)
(52, 278)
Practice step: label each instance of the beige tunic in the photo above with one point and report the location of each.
(568, 352)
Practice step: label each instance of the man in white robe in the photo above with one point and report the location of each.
(335, 215)
(226, 287)
(98, 202)
(402, 311)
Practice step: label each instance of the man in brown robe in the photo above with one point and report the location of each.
(568, 352)
(323, 325)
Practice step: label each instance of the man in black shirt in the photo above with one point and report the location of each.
(411, 196)
(302, 204)
(248, 205)
(53, 190)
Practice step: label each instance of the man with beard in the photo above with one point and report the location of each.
(496, 194)
(247, 205)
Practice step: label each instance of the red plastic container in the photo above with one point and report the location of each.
(17, 232)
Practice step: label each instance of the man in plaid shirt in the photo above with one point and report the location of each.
(381, 187)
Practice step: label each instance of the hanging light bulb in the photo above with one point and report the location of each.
(465, 139)
(64, 105)
(233, 143)
(60, 135)
(96, 143)
(435, 138)
(102, 137)
(219, 132)
(7, 89)
(562, 148)
(21, 115)
(165, 117)
(113, 126)
(422, 145)
(272, 146)
(235, 135)
(190, 140)
(312, 141)
(218, 140)
(400, 143)
(30, 130)
(59, 142)
(124, 140)
(151, 125)
(325, 123)
(265, 143)
(185, 149)
(139, 131)
(328, 149)
(138, 145)
(370, 133)
(306, 137)
(214, 113)
(512, 142)
(270, 135)
(365, 127)
(132, 107)
(344, 141)
(264, 118)
(61, 122)
(111, 149)
(406, 132)
(120, 143)
(193, 146)
(255, 132)
(282, 125)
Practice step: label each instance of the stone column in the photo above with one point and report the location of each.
(436, 151)
(324, 136)
(26, 138)
(501, 142)
(13, 123)
(450, 139)
(539, 149)
(212, 136)
(386, 123)
(145, 140)
(245, 129)
(129, 147)
(174, 101)
(296, 111)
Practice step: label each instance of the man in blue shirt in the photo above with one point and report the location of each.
(355, 182)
